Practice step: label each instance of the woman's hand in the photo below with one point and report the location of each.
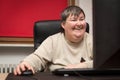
(22, 67)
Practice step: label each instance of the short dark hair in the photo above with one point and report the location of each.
(71, 10)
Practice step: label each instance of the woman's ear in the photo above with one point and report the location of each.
(63, 25)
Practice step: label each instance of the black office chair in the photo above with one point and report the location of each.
(45, 28)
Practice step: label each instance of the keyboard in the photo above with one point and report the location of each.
(86, 72)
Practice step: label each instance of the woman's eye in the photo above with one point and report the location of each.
(82, 19)
(73, 20)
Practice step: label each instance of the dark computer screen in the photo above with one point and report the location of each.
(106, 34)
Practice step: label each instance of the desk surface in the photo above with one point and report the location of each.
(3, 76)
(50, 76)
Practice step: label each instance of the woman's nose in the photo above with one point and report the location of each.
(78, 22)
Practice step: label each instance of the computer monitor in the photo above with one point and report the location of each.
(106, 34)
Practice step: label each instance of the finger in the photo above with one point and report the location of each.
(23, 67)
(29, 67)
(17, 71)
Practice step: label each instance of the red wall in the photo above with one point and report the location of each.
(17, 17)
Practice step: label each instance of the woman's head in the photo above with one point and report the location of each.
(73, 23)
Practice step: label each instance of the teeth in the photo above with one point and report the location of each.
(78, 28)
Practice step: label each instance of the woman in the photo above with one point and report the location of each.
(71, 48)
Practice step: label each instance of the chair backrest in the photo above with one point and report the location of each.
(45, 28)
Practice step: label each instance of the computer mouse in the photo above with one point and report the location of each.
(27, 73)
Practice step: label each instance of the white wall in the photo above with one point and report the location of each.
(86, 5)
(13, 55)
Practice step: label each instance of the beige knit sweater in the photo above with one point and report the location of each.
(56, 52)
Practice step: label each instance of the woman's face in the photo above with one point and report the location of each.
(74, 27)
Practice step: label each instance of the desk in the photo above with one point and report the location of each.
(50, 76)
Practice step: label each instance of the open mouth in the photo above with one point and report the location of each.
(78, 28)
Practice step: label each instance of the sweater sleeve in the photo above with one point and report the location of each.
(41, 56)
